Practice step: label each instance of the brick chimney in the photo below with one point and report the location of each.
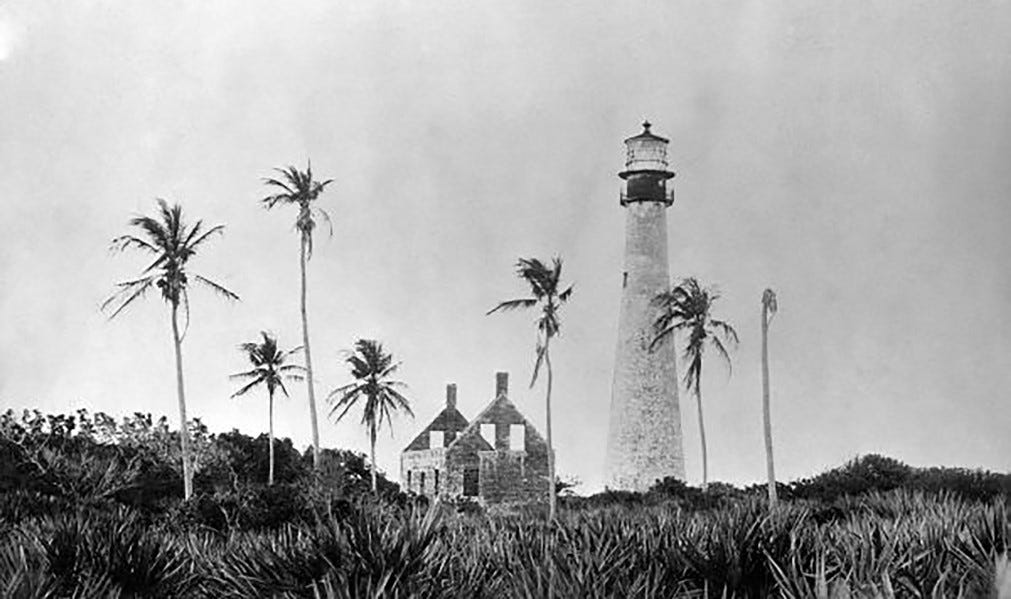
(501, 383)
(451, 395)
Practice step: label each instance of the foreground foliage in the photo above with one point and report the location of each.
(900, 544)
(90, 507)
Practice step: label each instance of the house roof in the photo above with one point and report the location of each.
(449, 419)
(499, 408)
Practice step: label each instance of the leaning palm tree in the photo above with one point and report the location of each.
(270, 369)
(173, 244)
(688, 307)
(545, 282)
(371, 369)
(299, 188)
(769, 308)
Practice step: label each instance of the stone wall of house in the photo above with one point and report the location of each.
(509, 476)
(484, 464)
(427, 462)
(509, 471)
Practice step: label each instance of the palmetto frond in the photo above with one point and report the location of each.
(513, 305)
(128, 291)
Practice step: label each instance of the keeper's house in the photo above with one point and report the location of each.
(498, 458)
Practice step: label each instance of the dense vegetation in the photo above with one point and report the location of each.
(92, 507)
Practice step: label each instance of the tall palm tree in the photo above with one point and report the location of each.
(688, 307)
(545, 284)
(270, 369)
(172, 243)
(371, 369)
(299, 188)
(769, 308)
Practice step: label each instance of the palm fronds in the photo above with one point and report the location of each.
(298, 188)
(173, 243)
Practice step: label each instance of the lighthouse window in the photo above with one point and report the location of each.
(624, 280)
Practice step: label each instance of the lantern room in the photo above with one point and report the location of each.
(646, 167)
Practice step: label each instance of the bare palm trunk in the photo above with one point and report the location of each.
(372, 445)
(766, 410)
(308, 366)
(184, 432)
(702, 433)
(270, 434)
(552, 491)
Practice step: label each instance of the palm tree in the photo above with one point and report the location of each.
(299, 188)
(270, 369)
(769, 308)
(371, 369)
(688, 307)
(173, 244)
(545, 282)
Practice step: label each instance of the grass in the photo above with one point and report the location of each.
(896, 544)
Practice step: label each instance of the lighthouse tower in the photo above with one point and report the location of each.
(644, 440)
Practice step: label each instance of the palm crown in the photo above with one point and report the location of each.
(544, 282)
(371, 369)
(299, 188)
(270, 366)
(172, 244)
(688, 307)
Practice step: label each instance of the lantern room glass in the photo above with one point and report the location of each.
(646, 154)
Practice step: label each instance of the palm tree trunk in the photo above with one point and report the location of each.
(184, 432)
(308, 365)
(766, 411)
(552, 491)
(372, 444)
(702, 433)
(270, 434)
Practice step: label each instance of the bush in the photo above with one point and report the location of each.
(861, 475)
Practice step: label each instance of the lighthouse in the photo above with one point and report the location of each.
(644, 442)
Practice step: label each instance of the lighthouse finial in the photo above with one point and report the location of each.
(646, 125)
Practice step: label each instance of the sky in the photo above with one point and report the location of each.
(853, 157)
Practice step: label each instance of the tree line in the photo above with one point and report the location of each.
(171, 243)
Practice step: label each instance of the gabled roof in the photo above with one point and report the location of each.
(449, 419)
(500, 406)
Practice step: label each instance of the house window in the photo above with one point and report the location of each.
(471, 480)
(436, 483)
(408, 480)
(422, 483)
(435, 439)
(517, 437)
(488, 432)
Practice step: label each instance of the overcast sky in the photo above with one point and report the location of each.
(854, 157)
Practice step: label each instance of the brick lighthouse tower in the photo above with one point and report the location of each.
(644, 440)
